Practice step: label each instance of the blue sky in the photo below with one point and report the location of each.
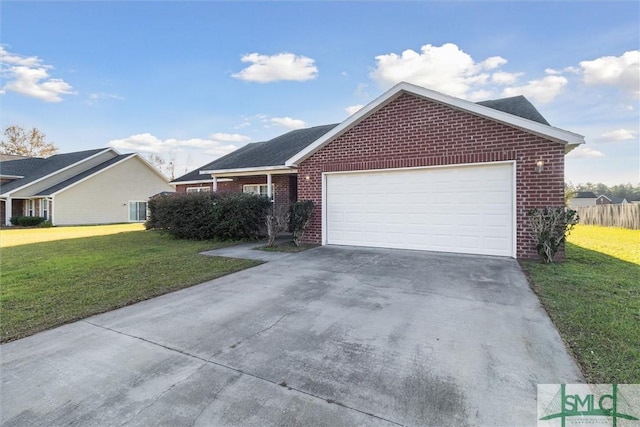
(191, 81)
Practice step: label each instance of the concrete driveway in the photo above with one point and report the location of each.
(331, 336)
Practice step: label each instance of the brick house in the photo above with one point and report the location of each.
(414, 169)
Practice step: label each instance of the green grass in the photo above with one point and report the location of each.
(593, 299)
(48, 284)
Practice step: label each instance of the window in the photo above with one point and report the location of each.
(44, 208)
(198, 189)
(31, 204)
(137, 211)
(259, 189)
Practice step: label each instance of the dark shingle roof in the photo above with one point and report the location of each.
(82, 175)
(518, 106)
(262, 154)
(35, 168)
(585, 195)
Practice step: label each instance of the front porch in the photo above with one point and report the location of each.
(282, 188)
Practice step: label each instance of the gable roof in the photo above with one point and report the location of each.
(33, 169)
(83, 175)
(272, 153)
(497, 112)
(613, 200)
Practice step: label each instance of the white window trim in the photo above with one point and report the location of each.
(198, 189)
(273, 189)
(31, 207)
(146, 213)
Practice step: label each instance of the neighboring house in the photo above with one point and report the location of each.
(606, 200)
(582, 199)
(414, 169)
(97, 186)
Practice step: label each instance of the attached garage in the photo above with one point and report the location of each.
(463, 209)
(417, 169)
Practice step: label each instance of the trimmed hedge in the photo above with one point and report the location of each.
(206, 216)
(27, 221)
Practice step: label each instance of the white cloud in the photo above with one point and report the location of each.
(543, 91)
(619, 134)
(94, 98)
(282, 66)
(585, 153)
(504, 78)
(444, 68)
(352, 109)
(148, 143)
(230, 137)
(619, 71)
(30, 76)
(554, 72)
(288, 122)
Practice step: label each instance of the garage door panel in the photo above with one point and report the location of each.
(453, 209)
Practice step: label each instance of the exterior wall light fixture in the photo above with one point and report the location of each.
(539, 166)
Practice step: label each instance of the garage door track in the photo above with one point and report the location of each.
(331, 336)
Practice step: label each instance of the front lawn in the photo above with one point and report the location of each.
(593, 299)
(48, 284)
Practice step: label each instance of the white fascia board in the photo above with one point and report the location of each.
(11, 176)
(61, 170)
(556, 134)
(250, 171)
(133, 155)
(201, 181)
(152, 167)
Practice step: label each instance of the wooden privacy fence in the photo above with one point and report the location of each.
(624, 216)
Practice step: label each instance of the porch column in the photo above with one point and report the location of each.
(51, 212)
(7, 211)
(269, 195)
(215, 183)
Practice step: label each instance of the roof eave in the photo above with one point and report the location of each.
(262, 170)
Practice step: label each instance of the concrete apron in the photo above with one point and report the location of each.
(331, 336)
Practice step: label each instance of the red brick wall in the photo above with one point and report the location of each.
(413, 132)
(281, 182)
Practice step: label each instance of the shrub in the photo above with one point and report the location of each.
(183, 215)
(46, 224)
(205, 216)
(551, 227)
(239, 216)
(302, 211)
(26, 221)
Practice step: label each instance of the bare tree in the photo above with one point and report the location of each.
(277, 221)
(32, 143)
(161, 164)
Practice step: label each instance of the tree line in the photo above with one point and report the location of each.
(624, 191)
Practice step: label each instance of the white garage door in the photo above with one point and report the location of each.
(451, 209)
